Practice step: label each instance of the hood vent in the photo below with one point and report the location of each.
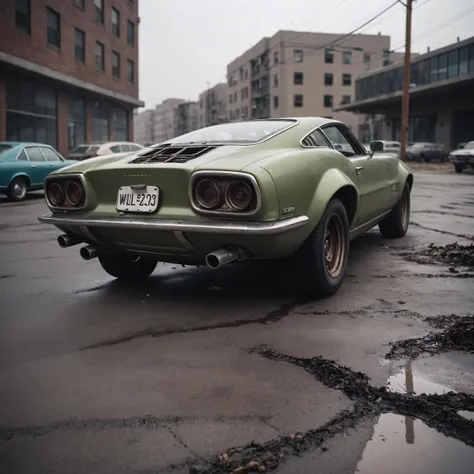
(172, 154)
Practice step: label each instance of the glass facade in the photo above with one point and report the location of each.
(100, 122)
(31, 112)
(420, 129)
(120, 125)
(76, 125)
(456, 63)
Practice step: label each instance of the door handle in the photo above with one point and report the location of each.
(359, 169)
(33, 166)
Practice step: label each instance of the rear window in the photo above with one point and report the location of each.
(4, 148)
(80, 149)
(248, 132)
(93, 149)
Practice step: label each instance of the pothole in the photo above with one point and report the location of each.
(457, 335)
(403, 444)
(454, 255)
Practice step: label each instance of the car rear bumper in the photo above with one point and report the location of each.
(228, 228)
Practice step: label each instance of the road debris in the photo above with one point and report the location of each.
(454, 255)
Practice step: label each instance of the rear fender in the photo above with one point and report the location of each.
(334, 183)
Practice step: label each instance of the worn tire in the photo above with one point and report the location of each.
(127, 266)
(458, 167)
(395, 225)
(17, 189)
(309, 264)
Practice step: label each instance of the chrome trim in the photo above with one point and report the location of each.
(229, 174)
(66, 176)
(19, 153)
(184, 241)
(248, 228)
(361, 229)
(329, 145)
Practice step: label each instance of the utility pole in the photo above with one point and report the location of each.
(406, 80)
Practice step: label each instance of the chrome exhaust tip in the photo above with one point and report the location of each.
(89, 252)
(221, 257)
(65, 240)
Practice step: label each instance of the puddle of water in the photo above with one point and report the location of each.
(410, 381)
(405, 445)
(469, 415)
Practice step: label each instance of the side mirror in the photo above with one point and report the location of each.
(377, 146)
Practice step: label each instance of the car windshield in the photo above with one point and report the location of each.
(469, 146)
(80, 149)
(4, 148)
(241, 132)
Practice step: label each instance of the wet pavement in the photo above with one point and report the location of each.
(211, 371)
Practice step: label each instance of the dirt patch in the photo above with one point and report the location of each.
(437, 411)
(455, 255)
(457, 335)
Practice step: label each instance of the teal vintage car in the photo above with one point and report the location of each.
(290, 189)
(24, 165)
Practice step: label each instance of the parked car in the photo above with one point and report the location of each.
(421, 151)
(24, 165)
(463, 158)
(262, 189)
(85, 151)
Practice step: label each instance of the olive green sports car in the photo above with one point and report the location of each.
(293, 189)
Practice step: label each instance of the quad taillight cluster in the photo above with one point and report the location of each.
(65, 193)
(225, 194)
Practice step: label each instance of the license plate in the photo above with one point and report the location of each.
(137, 200)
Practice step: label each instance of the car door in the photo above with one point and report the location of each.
(39, 167)
(371, 171)
(55, 161)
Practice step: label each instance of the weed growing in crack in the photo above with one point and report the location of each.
(437, 411)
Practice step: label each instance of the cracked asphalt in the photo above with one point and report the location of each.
(225, 371)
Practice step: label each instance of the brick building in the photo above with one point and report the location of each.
(68, 71)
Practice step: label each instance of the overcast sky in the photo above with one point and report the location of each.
(186, 44)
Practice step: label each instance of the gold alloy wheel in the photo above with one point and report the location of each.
(405, 215)
(334, 246)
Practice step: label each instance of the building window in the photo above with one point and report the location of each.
(328, 56)
(120, 124)
(130, 71)
(346, 79)
(31, 112)
(115, 64)
(453, 64)
(463, 61)
(99, 56)
(79, 45)
(76, 126)
(346, 99)
(328, 101)
(275, 57)
(298, 100)
(99, 11)
(298, 55)
(23, 15)
(275, 102)
(443, 67)
(471, 58)
(298, 78)
(115, 22)
(80, 4)
(366, 57)
(53, 27)
(100, 122)
(347, 57)
(130, 33)
(328, 79)
(275, 80)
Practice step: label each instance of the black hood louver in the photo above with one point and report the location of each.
(172, 154)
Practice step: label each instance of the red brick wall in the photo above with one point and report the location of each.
(34, 47)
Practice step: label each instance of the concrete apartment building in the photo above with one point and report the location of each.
(68, 71)
(186, 118)
(303, 74)
(164, 128)
(144, 127)
(213, 105)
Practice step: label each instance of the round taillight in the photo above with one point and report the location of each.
(55, 194)
(74, 193)
(239, 195)
(208, 193)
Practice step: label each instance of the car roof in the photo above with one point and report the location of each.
(25, 143)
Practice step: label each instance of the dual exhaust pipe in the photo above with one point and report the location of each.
(87, 253)
(214, 260)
